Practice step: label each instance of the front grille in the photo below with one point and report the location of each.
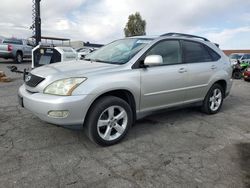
(33, 80)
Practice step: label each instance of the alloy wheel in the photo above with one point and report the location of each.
(112, 123)
(215, 99)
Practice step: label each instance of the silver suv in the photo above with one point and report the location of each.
(125, 80)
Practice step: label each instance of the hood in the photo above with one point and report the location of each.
(73, 68)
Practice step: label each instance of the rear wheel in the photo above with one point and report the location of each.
(109, 120)
(213, 100)
(237, 75)
(19, 57)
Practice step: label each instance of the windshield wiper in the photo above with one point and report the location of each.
(98, 60)
(95, 60)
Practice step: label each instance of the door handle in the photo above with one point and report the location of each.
(213, 67)
(182, 70)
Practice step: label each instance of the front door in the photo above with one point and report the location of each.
(164, 85)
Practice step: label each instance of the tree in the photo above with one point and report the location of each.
(135, 25)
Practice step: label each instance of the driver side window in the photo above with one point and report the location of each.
(169, 50)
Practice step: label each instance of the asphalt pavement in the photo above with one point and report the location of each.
(181, 148)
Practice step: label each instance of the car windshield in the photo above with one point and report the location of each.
(246, 56)
(118, 52)
(235, 56)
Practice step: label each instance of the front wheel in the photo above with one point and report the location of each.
(109, 120)
(213, 100)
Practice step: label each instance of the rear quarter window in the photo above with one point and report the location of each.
(215, 56)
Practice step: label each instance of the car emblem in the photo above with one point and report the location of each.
(27, 78)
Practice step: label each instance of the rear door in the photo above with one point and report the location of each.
(164, 85)
(202, 64)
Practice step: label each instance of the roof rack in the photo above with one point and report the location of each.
(184, 35)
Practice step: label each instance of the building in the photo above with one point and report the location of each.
(228, 52)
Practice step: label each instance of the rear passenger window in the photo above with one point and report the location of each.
(13, 41)
(194, 52)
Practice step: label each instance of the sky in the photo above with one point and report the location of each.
(226, 22)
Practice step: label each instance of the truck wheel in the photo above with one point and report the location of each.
(108, 121)
(19, 57)
(213, 100)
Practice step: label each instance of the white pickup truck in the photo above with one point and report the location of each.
(16, 49)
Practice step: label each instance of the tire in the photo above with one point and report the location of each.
(213, 100)
(247, 80)
(114, 117)
(237, 75)
(19, 57)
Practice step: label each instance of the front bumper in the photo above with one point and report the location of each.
(41, 104)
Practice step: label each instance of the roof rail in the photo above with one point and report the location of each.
(184, 35)
(217, 45)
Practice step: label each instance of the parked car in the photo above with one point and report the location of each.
(127, 79)
(246, 74)
(82, 52)
(234, 57)
(245, 58)
(16, 49)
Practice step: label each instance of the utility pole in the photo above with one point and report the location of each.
(36, 25)
(38, 22)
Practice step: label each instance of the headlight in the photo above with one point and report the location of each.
(64, 86)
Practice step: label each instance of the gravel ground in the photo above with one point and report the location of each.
(181, 148)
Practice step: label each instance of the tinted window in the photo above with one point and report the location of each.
(246, 56)
(194, 52)
(169, 50)
(235, 56)
(13, 41)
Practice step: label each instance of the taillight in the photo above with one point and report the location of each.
(10, 47)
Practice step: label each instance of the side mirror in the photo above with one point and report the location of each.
(153, 60)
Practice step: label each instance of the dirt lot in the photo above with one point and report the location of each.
(182, 148)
